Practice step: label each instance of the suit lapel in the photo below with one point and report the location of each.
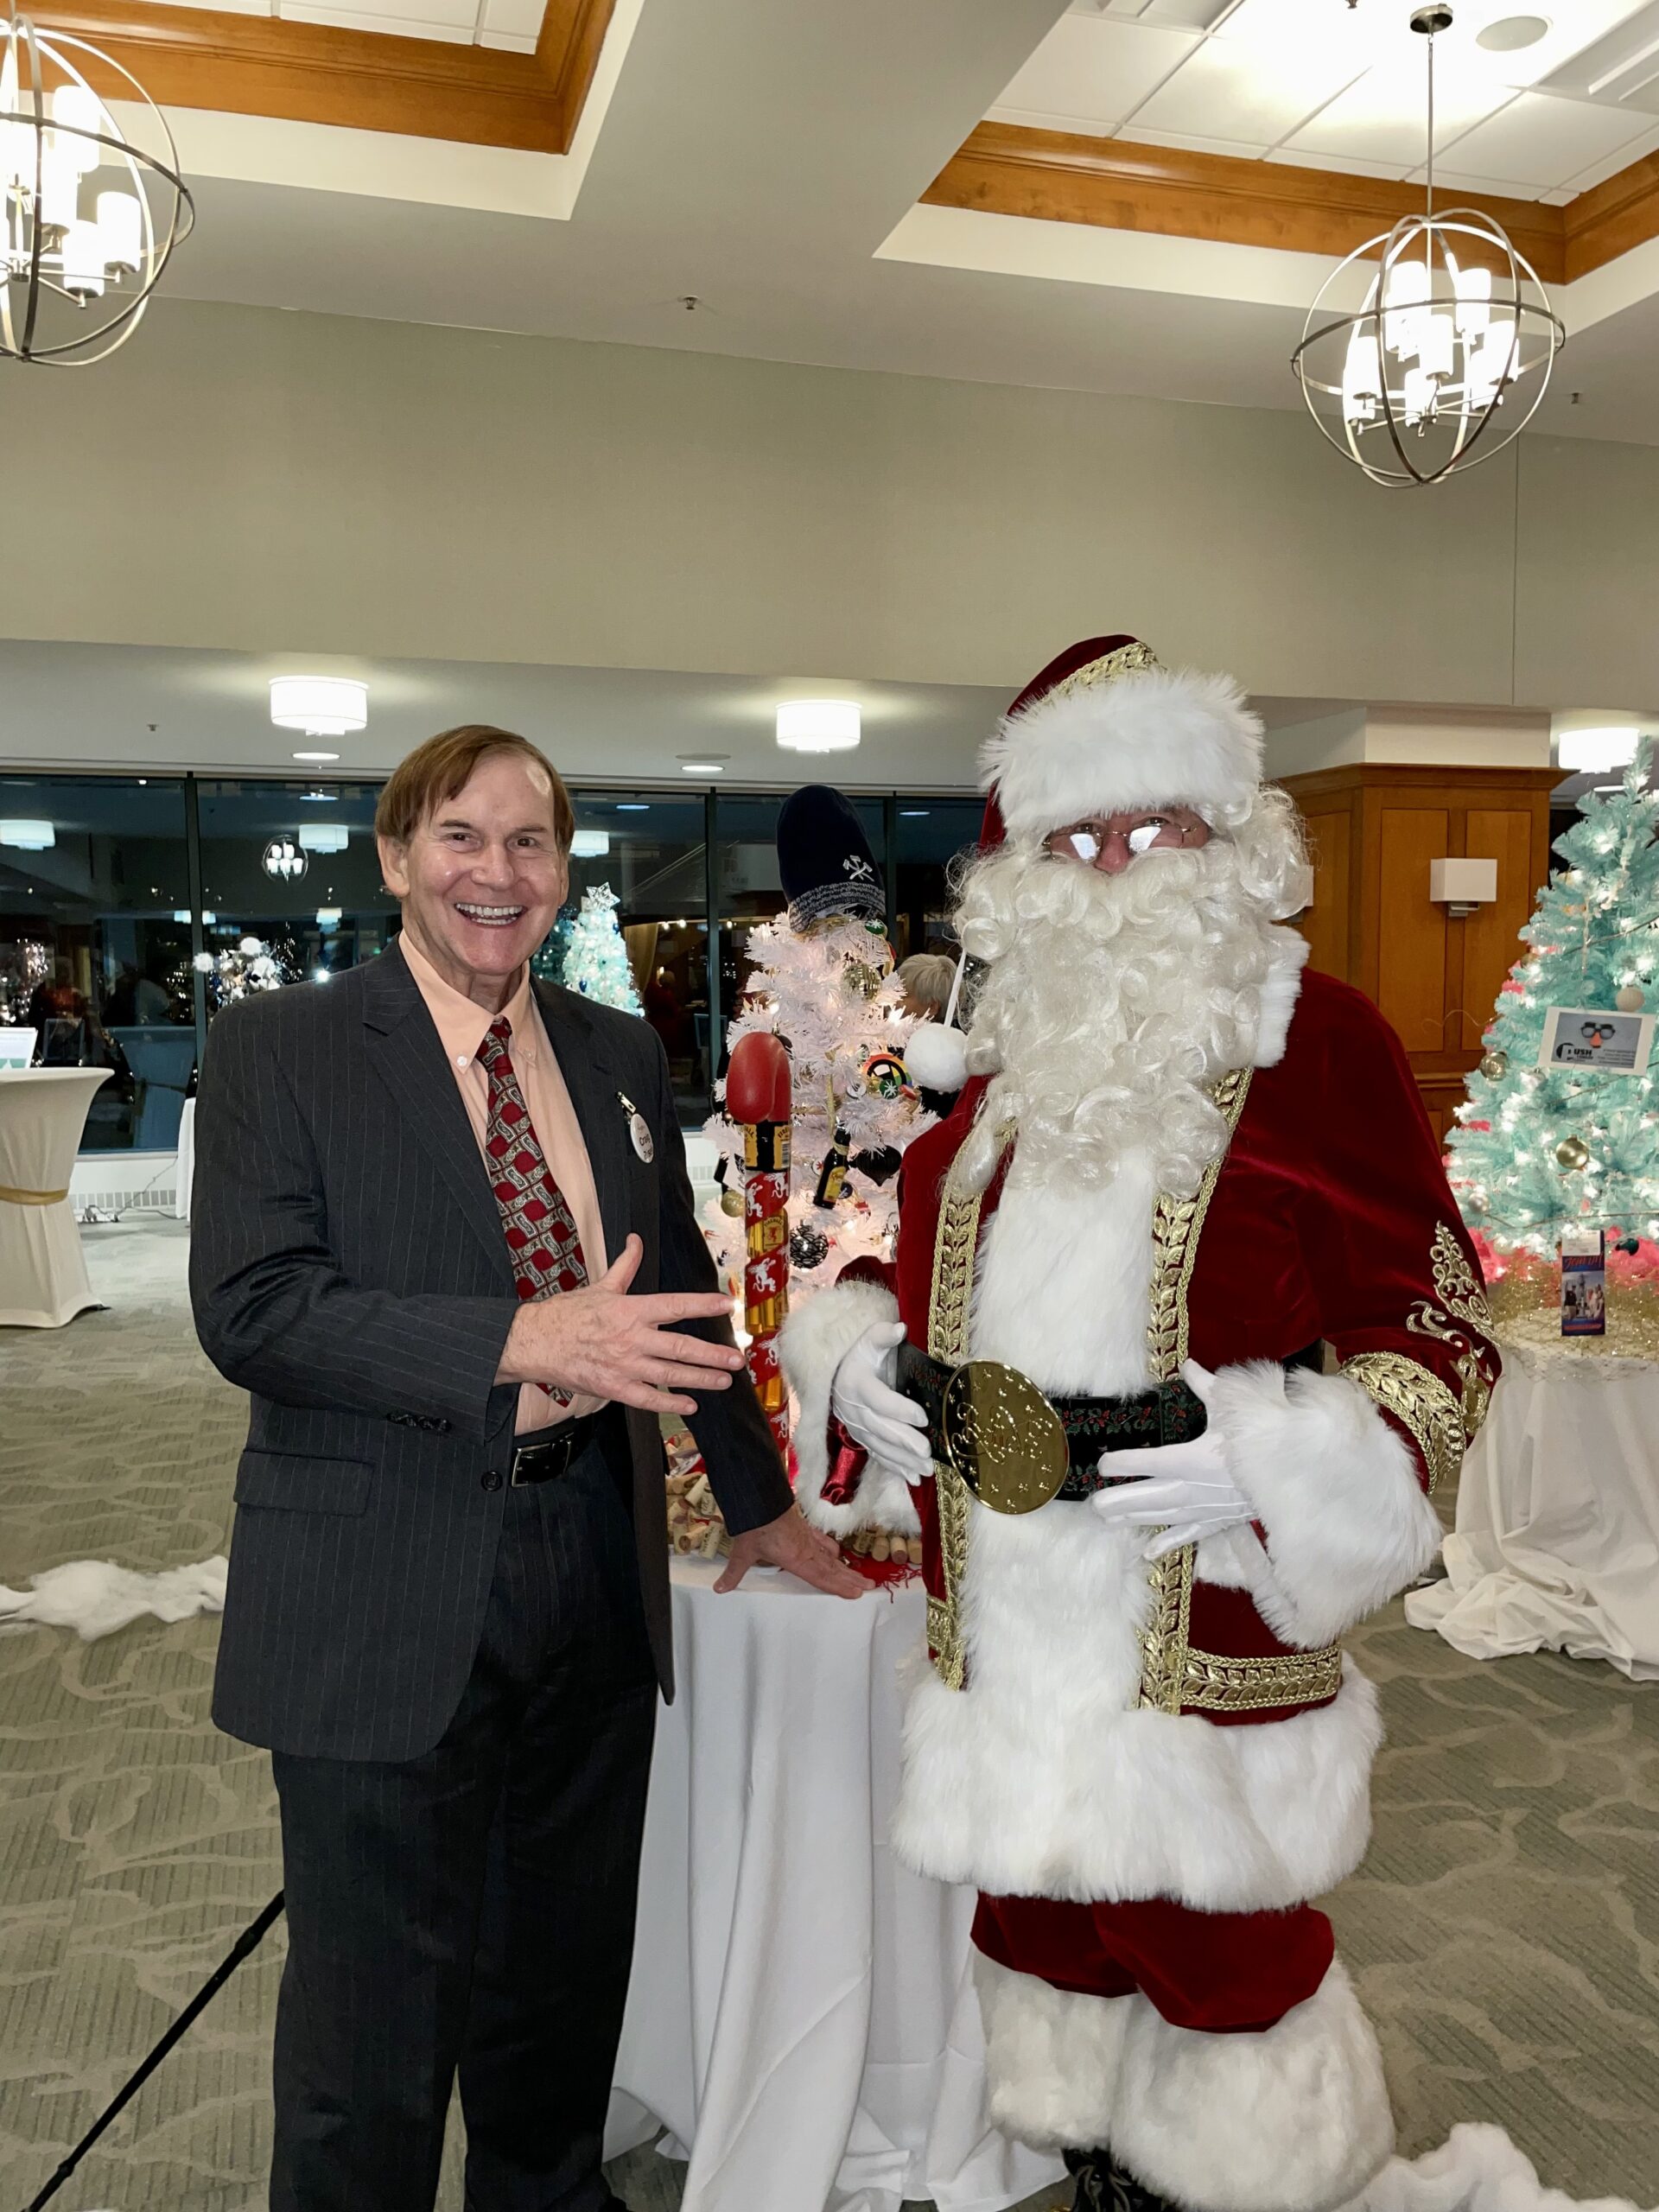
(595, 1088)
(406, 1053)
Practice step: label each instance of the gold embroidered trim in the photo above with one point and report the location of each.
(1416, 1396)
(1166, 1652)
(1126, 660)
(1175, 1226)
(1460, 1291)
(1217, 1685)
(949, 1302)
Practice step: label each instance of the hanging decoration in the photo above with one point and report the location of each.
(1448, 353)
(92, 213)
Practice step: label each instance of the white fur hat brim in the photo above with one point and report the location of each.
(1154, 737)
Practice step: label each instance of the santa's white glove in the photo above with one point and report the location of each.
(890, 1426)
(1187, 1493)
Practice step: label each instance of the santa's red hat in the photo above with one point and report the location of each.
(1105, 729)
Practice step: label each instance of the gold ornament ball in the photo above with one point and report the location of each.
(731, 1202)
(1631, 999)
(1572, 1154)
(1494, 1065)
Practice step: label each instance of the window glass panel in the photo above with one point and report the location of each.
(751, 888)
(95, 944)
(931, 833)
(291, 883)
(650, 849)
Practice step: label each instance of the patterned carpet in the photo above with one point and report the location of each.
(1504, 1932)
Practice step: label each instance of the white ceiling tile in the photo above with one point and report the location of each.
(1384, 117)
(507, 41)
(1602, 52)
(1541, 140)
(1449, 184)
(354, 19)
(1229, 88)
(1191, 142)
(1094, 72)
(1350, 164)
(522, 16)
(1599, 172)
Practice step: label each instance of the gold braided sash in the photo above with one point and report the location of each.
(12, 1196)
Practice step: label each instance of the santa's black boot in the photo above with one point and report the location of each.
(1103, 2186)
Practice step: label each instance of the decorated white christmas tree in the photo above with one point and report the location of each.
(1541, 1149)
(823, 982)
(595, 958)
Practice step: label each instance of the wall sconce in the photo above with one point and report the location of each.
(1463, 886)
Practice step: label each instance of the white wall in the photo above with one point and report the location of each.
(262, 481)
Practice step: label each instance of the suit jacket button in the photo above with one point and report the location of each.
(490, 1480)
(440, 1427)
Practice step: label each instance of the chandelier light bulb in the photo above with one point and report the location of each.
(318, 705)
(819, 724)
(120, 228)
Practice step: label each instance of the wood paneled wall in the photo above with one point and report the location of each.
(1373, 831)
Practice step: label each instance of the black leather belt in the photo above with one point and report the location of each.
(550, 1456)
(1170, 1413)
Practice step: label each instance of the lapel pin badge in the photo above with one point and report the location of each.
(638, 1129)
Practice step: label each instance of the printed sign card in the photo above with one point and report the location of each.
(1584, 1282)
(1596, 1038)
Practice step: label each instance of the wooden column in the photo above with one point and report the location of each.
(1373, 830)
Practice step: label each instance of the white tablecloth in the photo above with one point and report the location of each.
(801, 2018)
(187, 1161)
(1557, 1540)
(42, 1271)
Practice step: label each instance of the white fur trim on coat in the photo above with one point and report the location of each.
(1280, 992)
(1295, 2119)
(1155, 738)
(1335, 1487)
(814, 1341)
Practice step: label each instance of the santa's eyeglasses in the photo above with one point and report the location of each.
(1161, 828)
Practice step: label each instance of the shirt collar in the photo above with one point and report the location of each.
(461, 1023)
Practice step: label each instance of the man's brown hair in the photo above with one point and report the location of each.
(434, 772)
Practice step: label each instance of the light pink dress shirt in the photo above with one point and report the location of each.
(462, 1026)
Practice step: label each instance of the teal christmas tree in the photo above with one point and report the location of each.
(1539, 1150)
(596, 959)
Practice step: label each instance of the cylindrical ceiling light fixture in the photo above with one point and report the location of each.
(818, 724)
(318, 705)
(324, 836)
(29, 837)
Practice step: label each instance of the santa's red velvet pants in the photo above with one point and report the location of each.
(1223, 1972)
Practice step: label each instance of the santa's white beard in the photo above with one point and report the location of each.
(1109, 1004)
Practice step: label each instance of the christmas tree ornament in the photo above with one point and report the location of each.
(832, 1175)
(861, 979)
(1572, 1154)
(808, 1247)
(886, 1074)
(1494, 1065)
(731, 1202)
(824, 860)
(758, 1098)
(1631, 999)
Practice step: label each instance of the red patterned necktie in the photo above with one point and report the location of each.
(543, 1239)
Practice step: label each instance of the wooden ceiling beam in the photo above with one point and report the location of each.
(1118, 184)
(361, 81)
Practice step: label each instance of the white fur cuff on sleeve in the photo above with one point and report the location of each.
(1336, 1489)
(815, 1340)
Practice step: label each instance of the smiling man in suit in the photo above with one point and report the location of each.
(445, 1238)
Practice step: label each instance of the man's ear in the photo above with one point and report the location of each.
(394, 869)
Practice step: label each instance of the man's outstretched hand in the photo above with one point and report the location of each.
(792, 1543)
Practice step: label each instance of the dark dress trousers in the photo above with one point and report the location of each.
(456, 1677)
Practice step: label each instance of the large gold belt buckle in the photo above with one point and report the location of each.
(1002, 1437)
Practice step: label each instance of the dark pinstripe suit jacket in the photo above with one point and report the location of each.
(348, 1270)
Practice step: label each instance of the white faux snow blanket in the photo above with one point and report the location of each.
(95, 1597)
(1477, 2169)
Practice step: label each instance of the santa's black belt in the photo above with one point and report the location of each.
(1017, 1448)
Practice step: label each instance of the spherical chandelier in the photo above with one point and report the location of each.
(92, 212)
(1428, 349)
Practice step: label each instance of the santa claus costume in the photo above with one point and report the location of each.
(1191, 1329)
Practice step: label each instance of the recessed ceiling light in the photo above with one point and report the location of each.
(818, 724)
(1512, 33)
(702, 768)
(914, 813)
(316, 756)
(633, 806)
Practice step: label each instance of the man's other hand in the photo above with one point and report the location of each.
(792, 1543)
(601, 1343)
